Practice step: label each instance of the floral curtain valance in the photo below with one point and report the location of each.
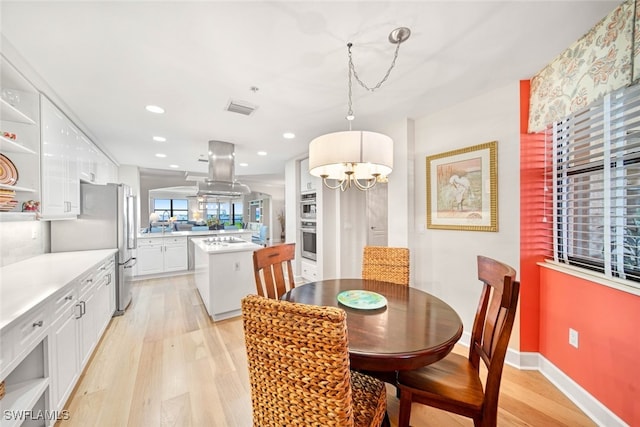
(601, 61)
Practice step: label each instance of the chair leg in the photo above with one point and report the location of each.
(385, 421)
(405, 408)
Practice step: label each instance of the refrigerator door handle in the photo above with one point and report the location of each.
(132, 236)
(133, 262)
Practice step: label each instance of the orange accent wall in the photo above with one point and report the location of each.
(531, 199)
(607, 360)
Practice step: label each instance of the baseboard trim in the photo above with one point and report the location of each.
(592, 407)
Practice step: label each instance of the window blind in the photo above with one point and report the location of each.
(596, 186)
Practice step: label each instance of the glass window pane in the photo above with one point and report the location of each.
(161, 204)
(180, 204)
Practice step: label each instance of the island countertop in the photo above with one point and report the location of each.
(224, 247)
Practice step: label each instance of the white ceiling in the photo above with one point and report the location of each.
(107, 60)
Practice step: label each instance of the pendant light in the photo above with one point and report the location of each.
(355, 157)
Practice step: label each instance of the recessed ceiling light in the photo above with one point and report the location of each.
(174, 166)
(243, 164)
(161, 155)
(288, 135)
(154, 109)
(159, 139)
(262, 153)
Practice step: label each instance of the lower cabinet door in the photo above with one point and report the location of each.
(88, 326)
(65, 357)
(150, 259)
(175, 256)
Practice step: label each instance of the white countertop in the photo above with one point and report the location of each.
(25, 284)
(194, 233)
(224, 248)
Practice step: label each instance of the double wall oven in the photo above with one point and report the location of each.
(308, 225)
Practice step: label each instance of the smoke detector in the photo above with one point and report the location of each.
(241, 107)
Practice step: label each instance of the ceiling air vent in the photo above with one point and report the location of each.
(241, 107)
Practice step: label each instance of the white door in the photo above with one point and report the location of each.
(377, 215)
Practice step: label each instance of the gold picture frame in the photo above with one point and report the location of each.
(462, 189)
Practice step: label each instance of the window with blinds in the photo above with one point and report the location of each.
(596, 186)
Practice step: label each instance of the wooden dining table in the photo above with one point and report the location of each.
(413, 329)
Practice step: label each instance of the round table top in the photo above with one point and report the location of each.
(414, 329)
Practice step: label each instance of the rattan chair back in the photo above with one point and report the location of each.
(386, 264)
(299, 367)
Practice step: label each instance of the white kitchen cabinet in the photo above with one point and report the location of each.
(161, 255)
(83, 311)
(60, 179)
(175, 253)
(41, 322)
(88, 160)
(223, 276)
(88, 321)
(309, 271)
(308, 182)
(64, 340)
(150, 257)
(107, 171)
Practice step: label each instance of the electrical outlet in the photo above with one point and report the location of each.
(237, 266)
(34, 234)
(573, 337)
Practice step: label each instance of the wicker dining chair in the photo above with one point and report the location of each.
(299, 372)
(453, 383)
(386, 264)
(269, 265)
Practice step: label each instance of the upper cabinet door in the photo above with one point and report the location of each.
(60, 182)
(308, 182)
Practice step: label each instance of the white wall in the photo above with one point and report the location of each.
(447, 258)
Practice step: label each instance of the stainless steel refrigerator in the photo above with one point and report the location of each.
(107, 220)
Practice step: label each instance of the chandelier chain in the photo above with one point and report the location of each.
(354, 73)
(352, 69)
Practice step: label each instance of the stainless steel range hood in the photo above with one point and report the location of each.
(221, 180)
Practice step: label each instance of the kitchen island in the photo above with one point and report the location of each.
(173, 252)
(224, 273)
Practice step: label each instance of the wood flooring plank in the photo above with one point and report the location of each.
(176, 412)
(147, 397)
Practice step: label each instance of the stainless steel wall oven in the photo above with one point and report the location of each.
(308, 239)
(308, 206)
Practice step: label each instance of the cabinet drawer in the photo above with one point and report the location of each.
(309, 272)
(175, 241)
(149, 242)
(87, 284)
(64, 299)
(106, 265)
(104, 269)
(30, 330)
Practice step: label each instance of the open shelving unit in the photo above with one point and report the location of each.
(20, 115)
(26, 389)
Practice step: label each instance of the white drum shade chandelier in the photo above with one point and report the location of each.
(355, 157)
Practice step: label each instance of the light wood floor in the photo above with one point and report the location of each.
(164, 363)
